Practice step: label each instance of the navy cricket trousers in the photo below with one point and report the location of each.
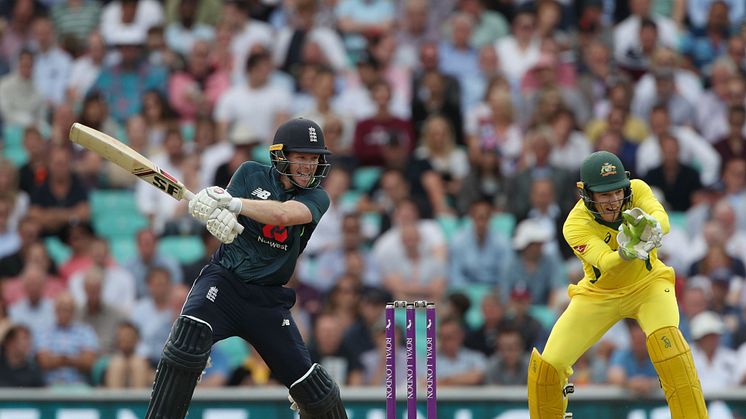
(258, 314)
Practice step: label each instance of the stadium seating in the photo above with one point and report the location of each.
(365, 177)
(185, 249)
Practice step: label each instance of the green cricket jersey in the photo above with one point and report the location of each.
(267, 254)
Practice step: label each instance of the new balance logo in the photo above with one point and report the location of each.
(312, 135)
(285, 322)
(261, 193)
(212, 293)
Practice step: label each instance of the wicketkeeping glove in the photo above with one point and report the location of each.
(211, 198)
(224, 226)
(638, 235)
(649, 227)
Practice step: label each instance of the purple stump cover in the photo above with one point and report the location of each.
(430, 348)
(411, 348)
(390, 362)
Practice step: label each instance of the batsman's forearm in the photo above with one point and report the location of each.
(272, 212)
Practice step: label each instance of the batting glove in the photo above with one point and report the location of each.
(224, 226)
(211, 198)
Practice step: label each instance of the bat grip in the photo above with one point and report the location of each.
(188, 195)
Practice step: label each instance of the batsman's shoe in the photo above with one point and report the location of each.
(673, 361)
(546, 393)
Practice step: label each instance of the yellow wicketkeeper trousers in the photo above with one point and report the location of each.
(590, 314)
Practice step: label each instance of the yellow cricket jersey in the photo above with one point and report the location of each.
(594, 242)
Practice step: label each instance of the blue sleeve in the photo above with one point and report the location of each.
(316, 200)
(618, 359)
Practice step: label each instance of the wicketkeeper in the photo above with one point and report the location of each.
(241, 291)
(615, 230)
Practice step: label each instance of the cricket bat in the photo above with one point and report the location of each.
(130, 160)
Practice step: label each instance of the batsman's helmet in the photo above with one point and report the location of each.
(602, 172)
(299, 135)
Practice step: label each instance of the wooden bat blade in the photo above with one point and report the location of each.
(130, 160)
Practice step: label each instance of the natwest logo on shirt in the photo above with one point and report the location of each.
(276, 233)
(274, 236)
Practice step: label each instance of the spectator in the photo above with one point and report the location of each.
(413, 29)
(130, 16)
(570, 145)
(328, 231)
(497, 131)
(419, 273)
(458, 57)
(599, 75)
(153, 315)
(306, 30)
(681, 111)
(52, 64)
(21, 102)
(245, 143)
(10, 241)
(99, 315)
(733, 144)
(10, 191)
(631, 368)
(438, 146)
(509, 364)
(429, 62)
(696, 297)
(185, 31)
(489, 25)
(35, 310)
(478, 254)
(343, 301)
(256, 102)
(124, 84)
(194, 91)
(362, 335)
(693, 149)
(361, 21)
(67, 350)
(86, 68)
(707, 40)
(331, 264)
(373, 133)
(12, 265)
(118, 283)
(622, 122)
(686, 83)
(374, 359)
(5, 321)
(536, 164)
(734, 189)
(391, 189)
(17, 366)
(62, 198)
(77, 237)
(75, 20)
(326, 349)
(457, 365)
(715, 363)
(161, 208)
(630, 34)
(494, 320)
(519, 317)
(148, 256)
(126, 369)
(17, 32)
(484, 181)
(431, 102)
(520, 50)
(712, 106)
(678, 181)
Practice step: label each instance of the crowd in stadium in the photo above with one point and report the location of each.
(457, 129)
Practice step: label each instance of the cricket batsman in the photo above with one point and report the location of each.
(615, 230)
(241, 291)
